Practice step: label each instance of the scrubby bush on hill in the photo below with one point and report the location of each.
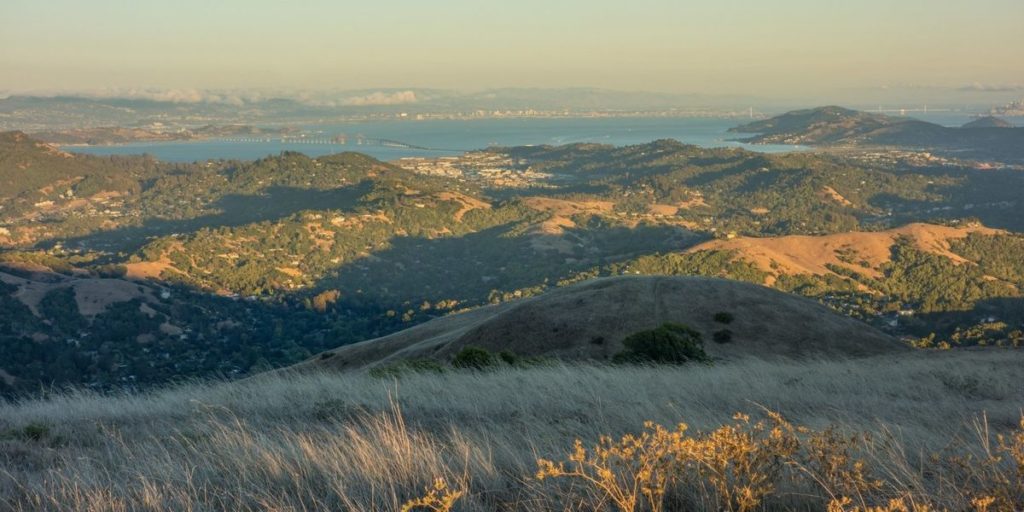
(474, 357)
(668, 344)
(722, 336)
(724, 317)
(509, 357)
(31, 432)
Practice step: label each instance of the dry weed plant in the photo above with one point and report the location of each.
(738, 467)
(438, 498)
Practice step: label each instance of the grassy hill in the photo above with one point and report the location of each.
(949, 286)
(589, 321)
(989, 122)
(822, 125)
(864, 252)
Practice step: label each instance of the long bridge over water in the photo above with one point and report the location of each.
(904, 110)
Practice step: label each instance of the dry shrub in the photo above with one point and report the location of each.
(438, 498)
(908, 504)
(741, 466)
(741, 463)
(634, 469)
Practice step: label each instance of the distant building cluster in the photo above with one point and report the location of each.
(483, 168)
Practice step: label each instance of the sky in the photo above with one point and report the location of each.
(782, 48)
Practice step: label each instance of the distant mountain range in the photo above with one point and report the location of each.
(836, 126)
(117, 135)
(192, 109)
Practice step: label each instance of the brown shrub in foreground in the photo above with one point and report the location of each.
(739, 467)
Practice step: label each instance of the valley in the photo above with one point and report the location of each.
(574, 256)
(227, 267)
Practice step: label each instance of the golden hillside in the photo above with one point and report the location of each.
(860, 251)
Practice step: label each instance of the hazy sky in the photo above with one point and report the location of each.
(782, 47)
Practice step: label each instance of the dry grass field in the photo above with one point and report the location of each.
(799, 254)
(914, 431)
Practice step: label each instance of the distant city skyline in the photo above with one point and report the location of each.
(846, 51)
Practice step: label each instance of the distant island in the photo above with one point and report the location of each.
(989, 122)
(984, 138)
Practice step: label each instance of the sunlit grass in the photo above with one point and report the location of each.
(839, 435)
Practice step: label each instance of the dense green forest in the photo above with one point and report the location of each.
(177, 334)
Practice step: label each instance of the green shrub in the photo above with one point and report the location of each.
(724, 317)
(35, 431)
(509, 357)
(31, 432)
(474, 357)
(668, 344)
(333, 408)
(722, 336)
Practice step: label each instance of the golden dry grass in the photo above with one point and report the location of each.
(468, 203)
(802, 254)
(925, 425)
(92, 295)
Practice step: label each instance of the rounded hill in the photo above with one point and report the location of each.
(989, 122)
(589, 321)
